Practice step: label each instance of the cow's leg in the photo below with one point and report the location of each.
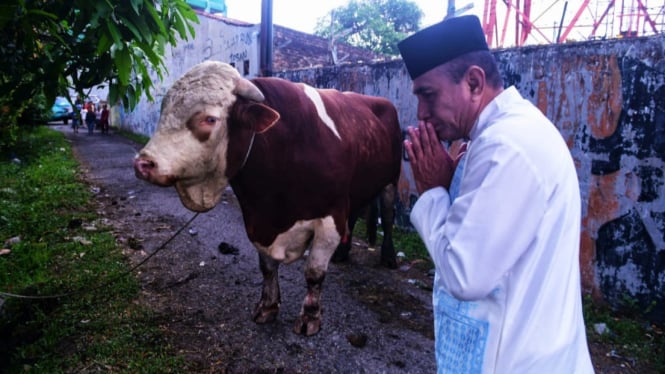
(309, 321)
(371, 219)
(326, 239)
(268, 307)
(388, 195)
(342, 252)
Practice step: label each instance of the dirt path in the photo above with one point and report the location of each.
(374, 319)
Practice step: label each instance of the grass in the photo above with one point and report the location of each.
(47, 212)
(629, 337)
(43, 201)
(138, 138)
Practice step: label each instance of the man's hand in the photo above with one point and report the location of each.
(431, 163)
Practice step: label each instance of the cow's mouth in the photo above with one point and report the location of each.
(159, 180)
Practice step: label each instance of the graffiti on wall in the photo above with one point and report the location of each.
(609, 104)
(215, 40)
(630, 238)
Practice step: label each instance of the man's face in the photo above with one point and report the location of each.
(445, 104)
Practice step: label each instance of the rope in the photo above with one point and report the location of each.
(108, 282)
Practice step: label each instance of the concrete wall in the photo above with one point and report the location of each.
(215, 40)
(608, 100)
(606, 97)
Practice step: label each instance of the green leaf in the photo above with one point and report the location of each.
(104, 44)
(117, 41)
(42, 13)
(123, 62)
(141, 24)
(158, 21)
(136, 4)
(137, 34)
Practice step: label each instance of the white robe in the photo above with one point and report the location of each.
(507, 295)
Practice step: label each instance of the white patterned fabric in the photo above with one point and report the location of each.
(507, 296)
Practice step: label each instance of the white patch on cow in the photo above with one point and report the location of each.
(313, 95)
(290, 245)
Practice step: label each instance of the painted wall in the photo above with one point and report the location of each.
(215, 39)
(606, 97)
(608, 100)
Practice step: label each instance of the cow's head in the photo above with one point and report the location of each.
(189, 147)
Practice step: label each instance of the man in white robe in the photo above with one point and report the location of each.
(507, 295)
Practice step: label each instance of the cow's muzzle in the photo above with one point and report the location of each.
(146, 168)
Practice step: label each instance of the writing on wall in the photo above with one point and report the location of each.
(215, 40)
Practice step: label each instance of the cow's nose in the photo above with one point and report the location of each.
(143, 167)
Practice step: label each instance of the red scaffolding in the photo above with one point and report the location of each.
(516, 22)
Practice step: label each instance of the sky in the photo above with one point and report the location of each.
(302, 15)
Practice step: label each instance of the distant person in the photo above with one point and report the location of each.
(104, 119)
(83, 113)
(91, 118)
(507, 295)
(74, 116)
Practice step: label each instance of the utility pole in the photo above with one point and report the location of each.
(451, 9)
(266, 39)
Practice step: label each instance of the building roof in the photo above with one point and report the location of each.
(294, 49)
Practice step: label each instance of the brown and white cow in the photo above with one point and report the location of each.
(300, 161)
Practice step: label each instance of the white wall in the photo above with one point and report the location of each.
(215, 39)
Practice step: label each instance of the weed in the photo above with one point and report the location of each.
(628, 335)
(405, 241)
(93, 329)
(138, 138)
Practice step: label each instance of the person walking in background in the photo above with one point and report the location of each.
(82, 114)
(91, 118)
(505, 241)
(104, 119)
(74, 116)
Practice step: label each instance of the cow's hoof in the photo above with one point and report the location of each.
(306, 326)
(264, 314)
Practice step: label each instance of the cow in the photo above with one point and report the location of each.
(300, 161)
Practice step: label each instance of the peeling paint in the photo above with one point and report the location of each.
(608, 100)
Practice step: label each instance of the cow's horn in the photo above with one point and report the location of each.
(248, 90)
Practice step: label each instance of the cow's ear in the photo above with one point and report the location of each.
(261, 117)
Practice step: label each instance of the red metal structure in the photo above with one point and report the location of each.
(510, 23)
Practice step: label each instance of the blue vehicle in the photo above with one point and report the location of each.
(61, 110)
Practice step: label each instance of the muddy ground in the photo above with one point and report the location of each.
(375, 320)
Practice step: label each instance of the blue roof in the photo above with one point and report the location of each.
(210, 6)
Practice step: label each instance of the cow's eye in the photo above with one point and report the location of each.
(211, 120)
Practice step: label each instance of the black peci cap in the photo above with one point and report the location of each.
(440, 43)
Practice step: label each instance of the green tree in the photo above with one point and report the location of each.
(377, 25)
(48, 47)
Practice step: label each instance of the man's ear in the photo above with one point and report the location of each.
(475, 78)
